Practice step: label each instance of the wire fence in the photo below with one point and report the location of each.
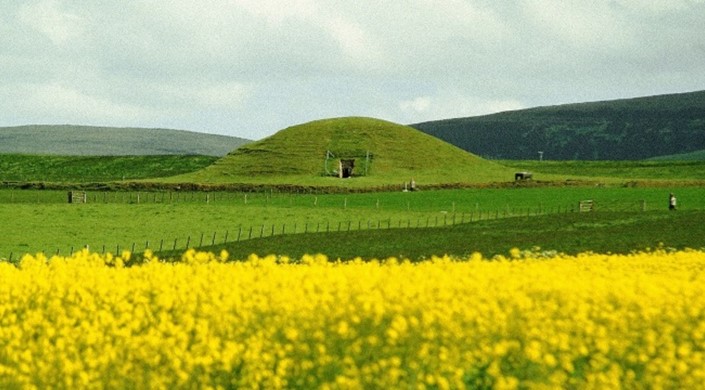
(243, 232)
(182, 192)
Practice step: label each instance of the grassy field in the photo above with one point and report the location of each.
(697, 155)
(627, 170)
(92, 169)
(111, 221)
(43, 221)
(83, 169)
(571, 233)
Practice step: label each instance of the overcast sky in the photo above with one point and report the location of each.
(249, 68)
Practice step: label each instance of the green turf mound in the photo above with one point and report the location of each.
(365, 151)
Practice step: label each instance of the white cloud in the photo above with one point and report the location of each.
(276, 13)
(225, 95)
(56, 24)
(452, 105)
(582, 25)
(59, 103)
(354, 42)
(260, 65)
(659, 5)
(415, 106)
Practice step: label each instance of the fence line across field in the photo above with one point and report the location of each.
(299, 198)
(247, 232)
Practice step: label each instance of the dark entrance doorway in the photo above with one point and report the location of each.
(345, 168)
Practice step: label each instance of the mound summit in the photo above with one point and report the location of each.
(366, 151)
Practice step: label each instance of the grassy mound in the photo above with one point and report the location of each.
(384, 153)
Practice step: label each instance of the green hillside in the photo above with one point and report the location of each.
(15, 168)
(383, 153)
(629, 129)
(69, 140)
(698, 155)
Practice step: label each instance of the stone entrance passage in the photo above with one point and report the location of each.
(345, 168)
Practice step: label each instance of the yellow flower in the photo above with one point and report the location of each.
(545, 321)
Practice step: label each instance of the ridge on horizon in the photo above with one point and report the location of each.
(83, 140)
(636, 128)
(659, 126)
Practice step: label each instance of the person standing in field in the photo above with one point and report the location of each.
(671, 202)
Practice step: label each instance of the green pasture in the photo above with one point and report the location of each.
(83, 169)
(569, 233)
(15, 168)
(625, 170)
(43, 221)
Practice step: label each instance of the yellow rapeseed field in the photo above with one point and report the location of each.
(523, 321)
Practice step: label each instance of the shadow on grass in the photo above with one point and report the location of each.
(602, 232)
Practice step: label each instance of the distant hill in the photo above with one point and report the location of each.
(628, 129)
(69, 140)
(381, 153)
(698, 155)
